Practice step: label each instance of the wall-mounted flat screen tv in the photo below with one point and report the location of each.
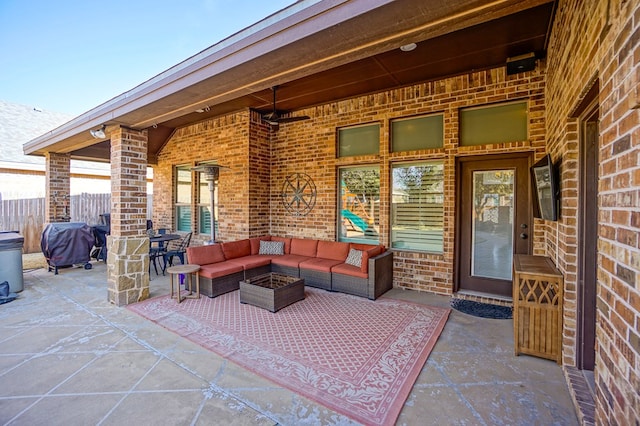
(544, 179)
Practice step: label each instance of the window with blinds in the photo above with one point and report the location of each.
(183, 198)
(417, 206)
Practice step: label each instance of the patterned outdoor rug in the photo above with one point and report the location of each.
(356, 356)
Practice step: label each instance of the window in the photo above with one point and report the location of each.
(494, 124)
(360, 140)
(417, 209)
(183, 198)
(409, 134)
(359, 218)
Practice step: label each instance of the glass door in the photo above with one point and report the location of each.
(492, 227)
(494, 218)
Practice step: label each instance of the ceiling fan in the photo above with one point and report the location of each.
(274, 117)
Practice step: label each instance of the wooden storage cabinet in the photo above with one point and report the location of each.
(537, 307)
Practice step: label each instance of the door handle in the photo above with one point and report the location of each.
(524, 236)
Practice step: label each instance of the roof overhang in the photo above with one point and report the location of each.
(318, 52)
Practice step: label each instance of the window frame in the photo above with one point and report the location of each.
(341, 234)
(375, 124)
(393, 139)
(394, 243)
(178, 206)
(462, 131)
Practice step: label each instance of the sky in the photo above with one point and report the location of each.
(70, 56)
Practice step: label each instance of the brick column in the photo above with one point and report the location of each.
(128, 243)
(58, 188)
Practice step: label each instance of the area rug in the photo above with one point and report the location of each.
(356, 356)
(483, 310)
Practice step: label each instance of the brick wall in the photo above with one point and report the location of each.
(310, 147)
(57, 187)
(128, 182)
(259, 176)
(261, 158)
(227, 140)
(599, 40)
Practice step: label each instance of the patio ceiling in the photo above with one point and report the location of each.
(317, 52)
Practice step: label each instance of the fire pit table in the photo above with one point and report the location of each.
(272, 291)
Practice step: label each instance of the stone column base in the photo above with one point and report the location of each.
(127, 269)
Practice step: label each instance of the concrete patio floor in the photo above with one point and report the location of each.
(69, 357)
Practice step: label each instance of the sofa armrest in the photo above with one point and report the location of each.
(380, 274)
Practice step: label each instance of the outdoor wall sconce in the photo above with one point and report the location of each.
(99, 133)
(210, 173)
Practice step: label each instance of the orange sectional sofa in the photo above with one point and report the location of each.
(360, 269)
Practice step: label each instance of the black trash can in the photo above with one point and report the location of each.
(11, 244)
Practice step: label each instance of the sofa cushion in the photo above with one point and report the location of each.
(290, 260)
(354, 258)
(234, 249)
(271, 247)
(220, 269)
(286, 241)
(319, 264)
(346, 269)
(251, 261)
(368, 251)
(203, 255)
(255, 243)
(332, 250)
(304, 247)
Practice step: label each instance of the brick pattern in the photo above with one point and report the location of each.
(262, 157)
(57, 187)
(582, 394)
(259, 176)
(128, 182)
(310, 147)
(128, 244)
(225, 139)
(600, 40)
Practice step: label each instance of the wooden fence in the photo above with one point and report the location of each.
(27, 216)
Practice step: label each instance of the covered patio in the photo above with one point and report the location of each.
(70, 357)
(326, 93)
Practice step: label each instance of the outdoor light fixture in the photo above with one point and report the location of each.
(210, 173)
(99, 133)
(408, 47)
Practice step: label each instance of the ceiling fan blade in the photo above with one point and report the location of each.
(271, 122)
(271, 116)
(292, 119)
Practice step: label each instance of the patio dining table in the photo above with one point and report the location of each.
(158, 248)
(160, 239)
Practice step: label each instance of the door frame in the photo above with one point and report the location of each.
(529, 156)
(587, 237)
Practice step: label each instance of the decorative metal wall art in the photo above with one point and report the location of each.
(298, 194)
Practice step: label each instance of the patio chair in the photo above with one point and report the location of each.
(156, 253)
(99, 251)
(177, 250)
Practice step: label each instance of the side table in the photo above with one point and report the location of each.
(189, 270)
